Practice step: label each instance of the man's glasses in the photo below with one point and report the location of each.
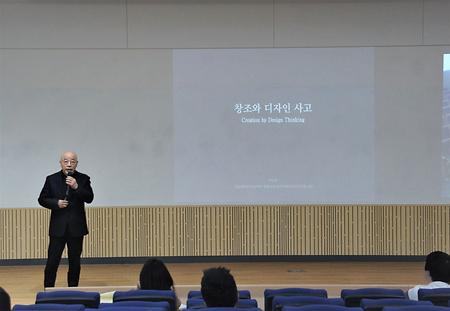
(70, 161)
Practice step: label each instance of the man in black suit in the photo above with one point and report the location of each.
(65, 194)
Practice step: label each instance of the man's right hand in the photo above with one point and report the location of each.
(63, 203)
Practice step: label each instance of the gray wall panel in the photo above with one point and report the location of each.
(437, 22)
(347, 23)
(191, 23)
(62, 24)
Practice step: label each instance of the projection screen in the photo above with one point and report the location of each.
(354, 125)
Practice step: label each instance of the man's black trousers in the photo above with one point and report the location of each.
(55, 250)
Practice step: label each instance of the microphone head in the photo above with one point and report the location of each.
(69, 172)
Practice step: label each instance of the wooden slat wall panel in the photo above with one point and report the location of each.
(238, 231)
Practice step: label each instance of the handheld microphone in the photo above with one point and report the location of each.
(69, 173)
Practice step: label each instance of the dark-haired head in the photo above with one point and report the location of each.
(5, 300)
(154, 275)
(433, 256)
(438, 265)
(219, 288)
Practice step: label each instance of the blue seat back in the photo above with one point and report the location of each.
(326, 307)
(199, 303)
(438, 296)
(246, 303)
(195, 303)
(352, 297)
(162, 305)
(379, 304)
(227, 309)
(269, 294)
(128, 308)
(147, 295)
(49, 307)
(279, 302)
(242, 294)
(417, 308)
(88, 299)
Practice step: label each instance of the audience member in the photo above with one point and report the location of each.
(154, 275)
(5, 301)
(219, 288)
(437, 266)
(430, 258)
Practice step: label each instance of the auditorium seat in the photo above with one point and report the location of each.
(379, 304)
(199, 303)
(147, 295)
(352, 297)
(195, 303)
(321, 308)
(49, 307)
(128, 308)
(243, 294)
(270, 293)
(438, 296)
(279, 302)
(227, 309)
(417, 308)
(160, 305)
(88, 299)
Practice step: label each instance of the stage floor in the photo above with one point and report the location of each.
(23, 282)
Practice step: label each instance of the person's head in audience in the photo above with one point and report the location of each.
(438, 266)
(5, 301)
(431, 257)
(219, 288)
(154, 275)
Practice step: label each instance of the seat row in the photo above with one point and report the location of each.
(276, 299)
(369, 299)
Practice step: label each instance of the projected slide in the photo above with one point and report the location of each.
(345, 125)
(446, 127)
(273, 125)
